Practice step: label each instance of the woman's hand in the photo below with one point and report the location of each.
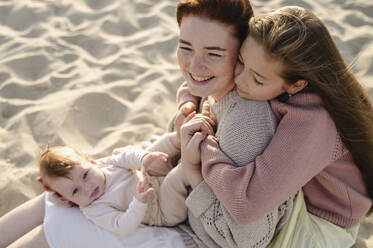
(193, 132)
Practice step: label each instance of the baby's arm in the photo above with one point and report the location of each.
(168, 143)
(121, 222)
(113, 220)
(128, 157)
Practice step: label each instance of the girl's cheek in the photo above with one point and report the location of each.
(238, 69)
(239, 77)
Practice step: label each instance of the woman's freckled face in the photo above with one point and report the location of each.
(207, 55)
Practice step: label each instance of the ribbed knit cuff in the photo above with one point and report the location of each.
(200, 199)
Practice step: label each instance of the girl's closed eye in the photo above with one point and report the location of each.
(257, 81)
(239, 60)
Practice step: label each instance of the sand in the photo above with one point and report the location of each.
(98, 75)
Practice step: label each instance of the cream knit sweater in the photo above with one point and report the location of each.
(244, 129)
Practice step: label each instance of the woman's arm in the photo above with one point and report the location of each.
(302, 146)
(193, 132)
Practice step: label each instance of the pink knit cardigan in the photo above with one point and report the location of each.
(306, 153)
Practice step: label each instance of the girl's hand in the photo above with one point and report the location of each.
(185, 110)
(150, 157)
(206, 111)
(143, 190)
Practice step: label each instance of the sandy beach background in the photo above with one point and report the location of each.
(98, 75)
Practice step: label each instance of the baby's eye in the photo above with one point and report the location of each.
(85, 175)
(76, 190)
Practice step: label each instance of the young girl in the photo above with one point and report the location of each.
(322, 145)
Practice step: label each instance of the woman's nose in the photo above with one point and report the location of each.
(197, 63)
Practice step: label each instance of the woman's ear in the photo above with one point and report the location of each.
(296, 87)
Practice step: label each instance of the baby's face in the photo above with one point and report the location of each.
(84, 184)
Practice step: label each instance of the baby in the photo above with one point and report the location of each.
(109, 193)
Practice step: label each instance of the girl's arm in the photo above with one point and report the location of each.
(183, 96)
(302, 146)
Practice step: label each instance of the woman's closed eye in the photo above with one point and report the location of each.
(215, 55)
(185, 48)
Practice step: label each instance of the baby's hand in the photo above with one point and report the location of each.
(142, 194)
(150, 157)
(59, 197)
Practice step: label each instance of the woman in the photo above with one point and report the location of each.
(244, 127)
(322, 144)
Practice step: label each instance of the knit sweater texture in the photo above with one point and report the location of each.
(244, 128)
(306, 153)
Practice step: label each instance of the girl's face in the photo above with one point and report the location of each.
(207, 56)
(84, 184)
(257, 74)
